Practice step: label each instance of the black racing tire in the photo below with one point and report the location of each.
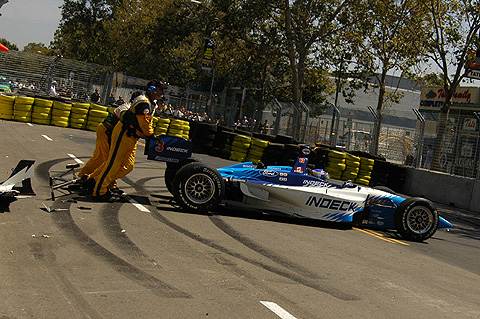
(172, 169)
(416, 219)
(198, 188)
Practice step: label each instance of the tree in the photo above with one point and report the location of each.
(37, 48)
(451, 33)
(81, 34)
(385, 38)
(8, 44)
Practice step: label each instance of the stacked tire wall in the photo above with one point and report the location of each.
(224, 142)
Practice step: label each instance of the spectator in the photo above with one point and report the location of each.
(120, 101)
(266, 128)
(62, 91)
(82, 95)
(428, 160)
(111, 100)
(71, 94)
(95, 97)
(52, 91)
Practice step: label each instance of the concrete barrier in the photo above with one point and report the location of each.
(443, 188)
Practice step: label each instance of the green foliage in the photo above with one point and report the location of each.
(37, 48)
(8, 44)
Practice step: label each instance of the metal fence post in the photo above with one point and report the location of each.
(419, 151)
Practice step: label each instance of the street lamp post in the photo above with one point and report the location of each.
(345, 57)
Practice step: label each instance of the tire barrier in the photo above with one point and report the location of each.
(78, 115)
(61, 114)
(96, 115)
(352, 166)
(336, 164)
(256, 150)
(273, 153)
(179, 128)
(239, 148)
(22, 109)
(42, 111)
(239, 145)
(6, 107)
(203, 135)
(222, 144)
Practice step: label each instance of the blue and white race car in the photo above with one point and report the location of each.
(298, 192)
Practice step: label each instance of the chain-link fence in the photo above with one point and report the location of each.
(460, 150)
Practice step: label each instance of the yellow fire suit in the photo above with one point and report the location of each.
(136, 123)
(102, 144)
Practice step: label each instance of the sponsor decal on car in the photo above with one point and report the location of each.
(328, 203)
(268, 173)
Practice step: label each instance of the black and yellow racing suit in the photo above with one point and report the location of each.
(136, 123)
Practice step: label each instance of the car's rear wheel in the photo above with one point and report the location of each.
(416, 219)
(198, 188)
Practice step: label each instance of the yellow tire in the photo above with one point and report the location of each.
(336, 154)
(367, 161)
(24, 100)
(243, 138)
(97, 107)
(7, 99)
(77, 116)
(41, 121)
(81, 106)
(22, 113)
(260, 143)
(78, 120)
(59, 118)
(41, 116)
(25, 119)
(78, 110)
(41, 109)
(59, 123)
(23, 107)
(77, 125)
(61, 106)
(57, 112)
(42, 102)
(97, 113)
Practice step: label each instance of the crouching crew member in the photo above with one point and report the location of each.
(136, 123)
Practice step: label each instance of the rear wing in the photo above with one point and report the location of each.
(167, 148)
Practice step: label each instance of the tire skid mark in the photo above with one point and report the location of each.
(65, 222)
(49, 260)
(113, 230)
(278, 271)
(231, 232)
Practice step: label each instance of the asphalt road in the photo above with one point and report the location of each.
(147, 259)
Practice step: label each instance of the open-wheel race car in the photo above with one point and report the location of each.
(292, 191)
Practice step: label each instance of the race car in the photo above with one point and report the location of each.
(297, 192)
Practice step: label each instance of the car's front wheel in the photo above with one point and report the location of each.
(198, 188)
(416, 219)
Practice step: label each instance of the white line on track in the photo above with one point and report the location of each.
(276, 309)
(75, 159)
(140, 207)
(29, 124)
(47, 138)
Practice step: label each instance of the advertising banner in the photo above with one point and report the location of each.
(434, 97)
(208, 55)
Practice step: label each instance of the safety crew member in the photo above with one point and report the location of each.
(102, 144)
(136, 123)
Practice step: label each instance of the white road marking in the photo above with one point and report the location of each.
(75, 158)
(29, 124)
(47, 138)
(276, 309)
(140, 207)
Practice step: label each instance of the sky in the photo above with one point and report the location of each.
(25, 21)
